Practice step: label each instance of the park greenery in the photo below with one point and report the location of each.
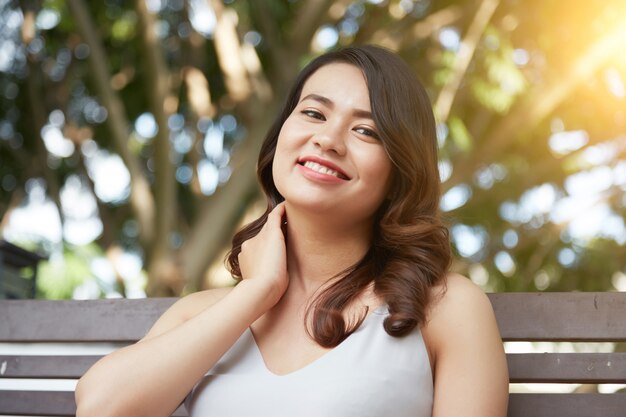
(129, 131)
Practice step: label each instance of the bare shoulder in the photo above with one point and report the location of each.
(459, 309)
(186, 308)
(458, 295)
(467, 356)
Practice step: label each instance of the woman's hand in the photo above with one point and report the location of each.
(263, 259)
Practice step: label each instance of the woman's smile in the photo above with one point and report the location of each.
(319, 169)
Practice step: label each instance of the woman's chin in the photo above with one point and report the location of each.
(310, 204)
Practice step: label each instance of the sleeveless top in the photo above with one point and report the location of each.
(369, 374)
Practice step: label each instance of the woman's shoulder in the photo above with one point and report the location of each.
(459, 311)
(466, 351)
(457, 295)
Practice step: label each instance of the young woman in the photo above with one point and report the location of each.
(345, 306)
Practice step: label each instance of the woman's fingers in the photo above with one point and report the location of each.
(263, 258)
(275, 218)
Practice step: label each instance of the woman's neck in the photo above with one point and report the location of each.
(319, 248)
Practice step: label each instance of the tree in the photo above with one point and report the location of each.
(180, 94)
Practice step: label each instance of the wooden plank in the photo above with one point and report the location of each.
(520, 405)
(521, 316)
(45, 403)
(582, 317)
(582, 368)
(567, 405)
(118, 320)
(31, 366)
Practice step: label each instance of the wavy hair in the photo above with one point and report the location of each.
(410, 249)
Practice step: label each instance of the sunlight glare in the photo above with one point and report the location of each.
(54, 141)
(82, 224)
(110, 176)
(615, 83)
(202, 17)
(456, 197)
(589, 183)
(37, 220)
(562, 143)
(325, 38)
(208, 176)
(146, 126)
(469, 240)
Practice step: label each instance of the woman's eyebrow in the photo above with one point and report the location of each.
(328, 102)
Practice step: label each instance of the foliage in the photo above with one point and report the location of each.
(148, 144)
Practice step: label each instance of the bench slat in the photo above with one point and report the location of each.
(567, 405)
(31, 366)
(45, 403)
(521, 316)
(119, 320)
(581, 368)
(61, 403)
(576, 317)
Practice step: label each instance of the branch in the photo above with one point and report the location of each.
(38, 112)
(464, 57)
(433, 23)
(109, 227)
(228, 50)
(157, 82)
(198, 93)
(141, 199)
(283, 66)
(29, 30)
(542, 101)
(14, 202)
(309, 16)
(199, 98)
(214, 226)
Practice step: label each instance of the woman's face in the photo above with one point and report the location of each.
(328, 155)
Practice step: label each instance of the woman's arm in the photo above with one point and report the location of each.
(152, 377)
(470, 369)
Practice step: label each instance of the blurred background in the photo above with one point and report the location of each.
(129, 133)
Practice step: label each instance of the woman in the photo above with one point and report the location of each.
(345, 307)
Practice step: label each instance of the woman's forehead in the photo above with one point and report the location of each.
(338, 82)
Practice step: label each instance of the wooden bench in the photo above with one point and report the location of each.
(575, 317)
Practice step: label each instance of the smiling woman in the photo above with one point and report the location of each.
(345, 305)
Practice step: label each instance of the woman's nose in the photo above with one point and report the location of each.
(331, 139)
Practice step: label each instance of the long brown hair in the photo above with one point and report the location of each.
(410, 250)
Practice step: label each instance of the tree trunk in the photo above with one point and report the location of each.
(464, 57)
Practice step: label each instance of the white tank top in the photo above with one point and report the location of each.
(370, 374)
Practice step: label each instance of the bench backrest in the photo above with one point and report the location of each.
(575, 317)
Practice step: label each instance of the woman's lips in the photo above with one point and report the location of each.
(323, 167)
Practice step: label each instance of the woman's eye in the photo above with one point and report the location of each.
(314, 114)
(367, 132)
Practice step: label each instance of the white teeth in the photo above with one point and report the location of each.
(321, 169)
